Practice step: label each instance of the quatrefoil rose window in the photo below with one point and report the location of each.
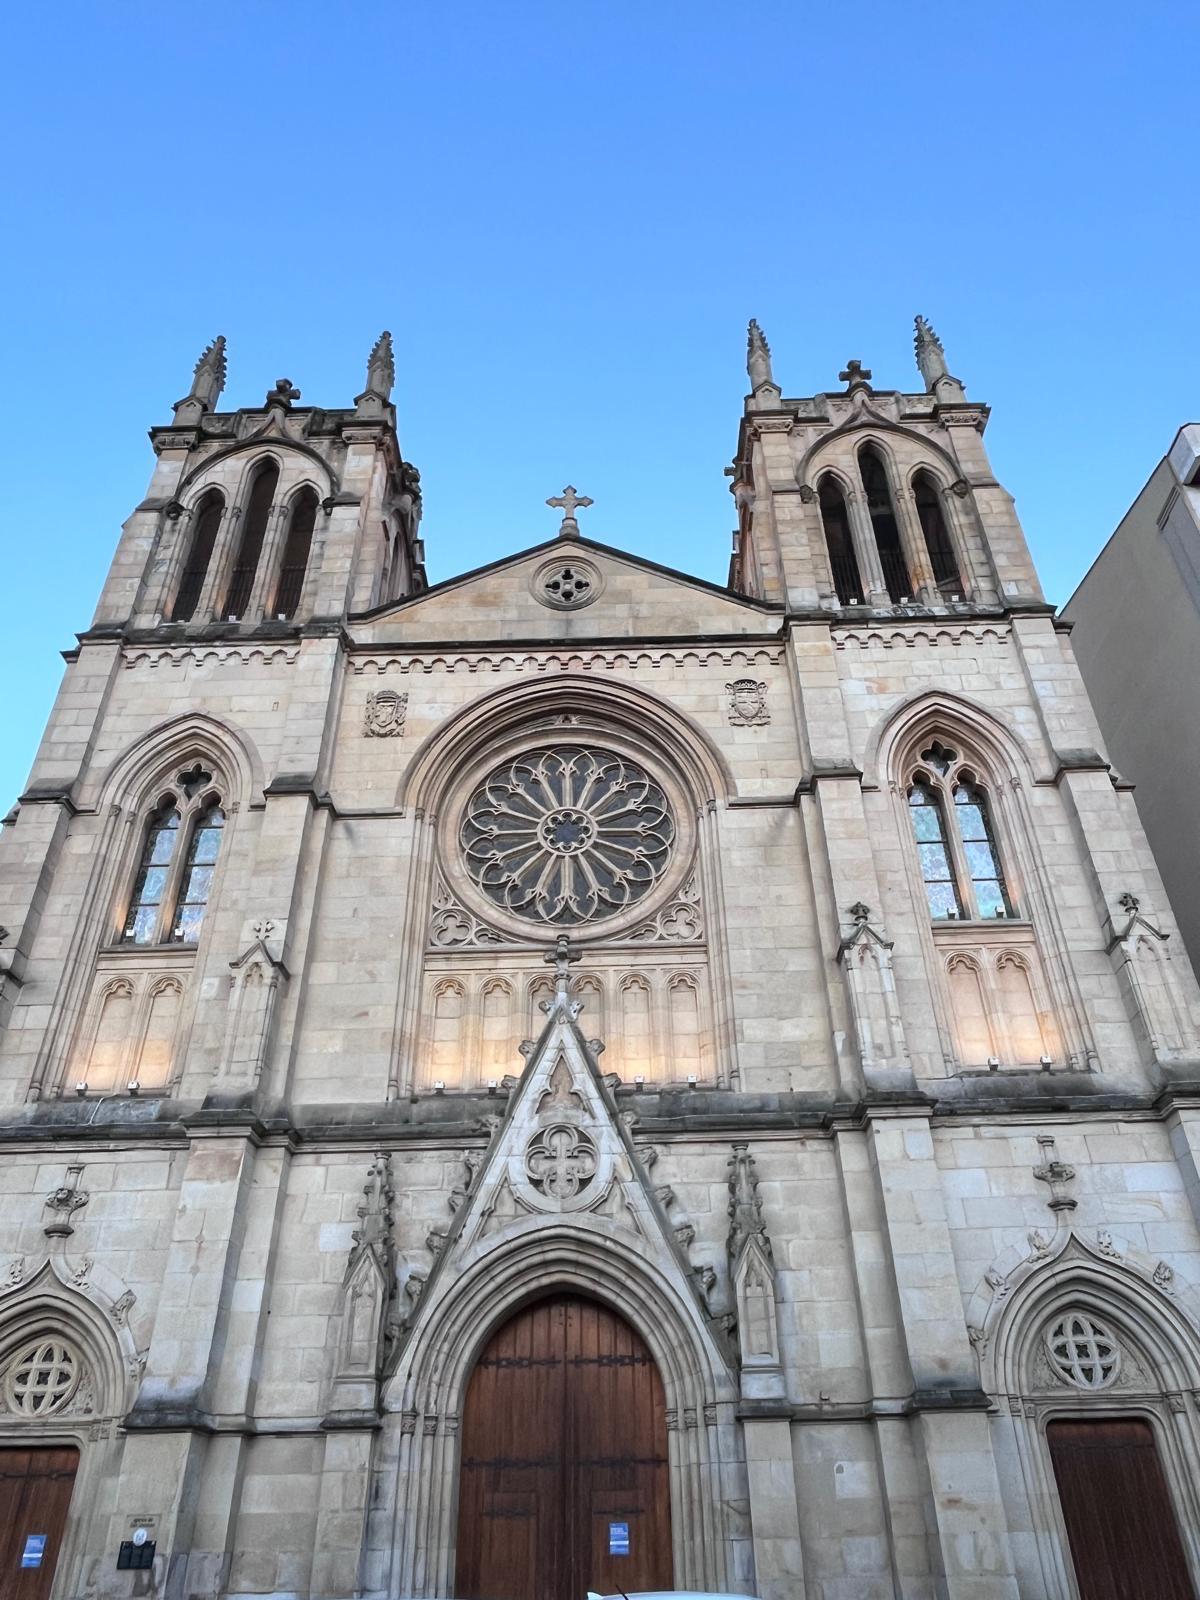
(43, 1377)
(1083, 1352)
(567, 835)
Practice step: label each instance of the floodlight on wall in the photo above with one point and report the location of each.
(851, 602)
(993, 1063)
(956, 598)
(638, 1080)
(439, 1086)
(492, 1085)
(81, 1087)
(693, 1080)
(905, 600)
(1046, 1061)
(134, 1086)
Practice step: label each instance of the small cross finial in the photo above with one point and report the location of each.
(855, 376)
(283, 393)
(568, 501)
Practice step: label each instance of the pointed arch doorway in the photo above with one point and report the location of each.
(564, 1473)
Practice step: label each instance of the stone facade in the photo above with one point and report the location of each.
(844, 1165)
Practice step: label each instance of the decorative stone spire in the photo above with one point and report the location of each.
(208, 380)
(758, 358)
(381, 367)
(745, 1207)
(374, 1232)
(931, 356)
(931, 363)
(569, 502)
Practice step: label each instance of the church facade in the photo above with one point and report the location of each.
(579, 1077)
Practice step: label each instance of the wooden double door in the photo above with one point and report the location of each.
(35, 1495)
(1121, 1524)
(564, 1481)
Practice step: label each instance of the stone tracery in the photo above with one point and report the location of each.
(568, 834)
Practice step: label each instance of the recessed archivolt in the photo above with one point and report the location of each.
(1141, 1301)
(89, 1308)
(278, 452)
(898, 735)
(573, 1256)
(869, 425)
(149, 762)
(507, 718)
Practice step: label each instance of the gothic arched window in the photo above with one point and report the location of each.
(173, 883)
(195, 569)
(956, 843)
(843, 562)
(295, 554)
(254, 531)
(883, 522)
(942, 559)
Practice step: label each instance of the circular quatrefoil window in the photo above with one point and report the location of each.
(567, 585)
(567, 835)
(1082, 1352)
(41, 1378)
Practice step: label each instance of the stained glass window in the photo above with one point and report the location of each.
(196, 885)
(937, 869)
(150, 886)
(174, 880)
(979, 850)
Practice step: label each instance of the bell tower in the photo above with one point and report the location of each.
(270, 518)
(873, 498)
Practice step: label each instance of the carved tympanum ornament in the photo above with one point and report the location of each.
(42, 1377)
(560, 1160)
(1082, 1352)
(567, 835)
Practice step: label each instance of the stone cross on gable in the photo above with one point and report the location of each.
(855, 375)
(568, 501)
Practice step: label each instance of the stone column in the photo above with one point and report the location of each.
(774, 1512)
(968, 1530)
(870, 567)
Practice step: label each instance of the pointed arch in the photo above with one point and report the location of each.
(133, 775)
(878, 480)
(300, 517)
(579, 1255)
(945, 562)
(833, 498)
(52, 1300)
(928, 713)
(257, 507)
(205, 517)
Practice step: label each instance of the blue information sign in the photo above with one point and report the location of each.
(618, 1538)
(35, 1549)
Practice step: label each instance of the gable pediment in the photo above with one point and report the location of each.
(566, 590)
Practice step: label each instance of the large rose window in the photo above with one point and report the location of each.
(567, 835)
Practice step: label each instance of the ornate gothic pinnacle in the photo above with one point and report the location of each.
(375, 1212)
(758, 357)
(931, 356)
(381, 367)
(209, 375)
(745, 1207)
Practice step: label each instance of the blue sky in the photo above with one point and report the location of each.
(566, 214)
